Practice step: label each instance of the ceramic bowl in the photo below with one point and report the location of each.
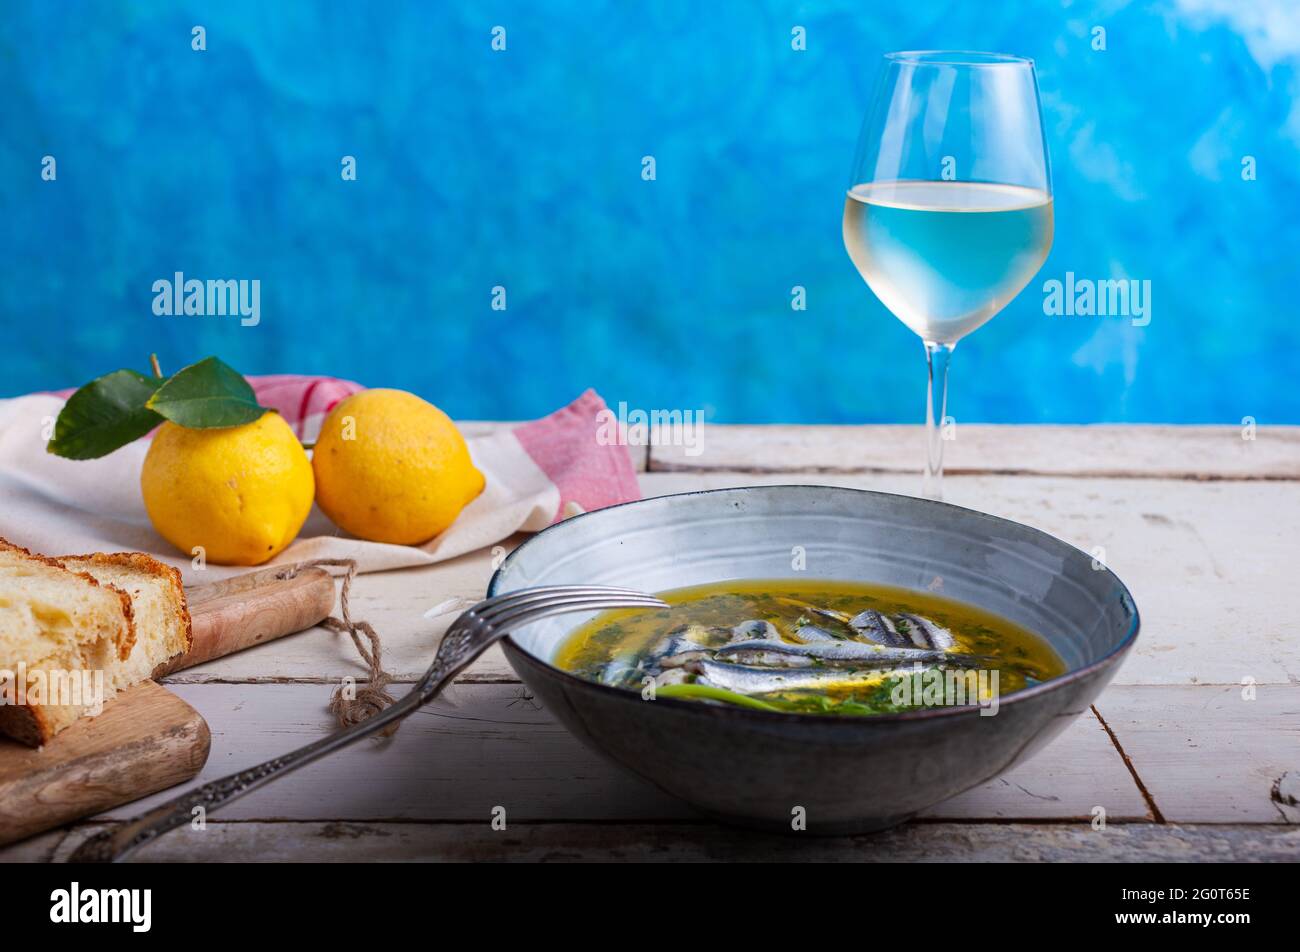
(842, 774)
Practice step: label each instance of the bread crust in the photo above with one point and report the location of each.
(125, 643)
(149, 565)
(26, 724)
(29, 723)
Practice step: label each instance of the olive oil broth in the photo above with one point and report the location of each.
(624, 638)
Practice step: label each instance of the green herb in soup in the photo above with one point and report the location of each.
(814, 647)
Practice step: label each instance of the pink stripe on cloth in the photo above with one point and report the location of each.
(297, 399)
(586, 471)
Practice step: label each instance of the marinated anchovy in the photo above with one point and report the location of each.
(703, 634)
(622, 671)
(839, 651)
(748, 679)
(874, 626)
(755, 628)
(835, 623)
(766, 656)
(672, 676)
(832, 614)
(925, 633)
(676, 648)
(685, 655)
(816, 633)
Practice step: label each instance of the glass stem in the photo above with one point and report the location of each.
(937, 357)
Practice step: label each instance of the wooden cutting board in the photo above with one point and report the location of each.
(147, 739)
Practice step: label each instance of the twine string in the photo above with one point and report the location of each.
(353, 704)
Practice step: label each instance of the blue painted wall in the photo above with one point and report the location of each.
(523, 169)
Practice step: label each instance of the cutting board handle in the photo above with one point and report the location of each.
(237, 613)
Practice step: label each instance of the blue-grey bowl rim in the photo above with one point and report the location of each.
(720, 710)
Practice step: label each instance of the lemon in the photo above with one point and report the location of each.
(240, 492)
(391, 467)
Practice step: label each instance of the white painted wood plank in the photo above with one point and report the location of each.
(476, 747)
(1182, 452)
(1209, 564)
(34, 849)
(1208, 754)
(338, 841)
(486, 745)
(1076, 773)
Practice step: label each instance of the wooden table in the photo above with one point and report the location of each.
(1193, 752)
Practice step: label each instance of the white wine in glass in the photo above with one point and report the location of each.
(949, 212)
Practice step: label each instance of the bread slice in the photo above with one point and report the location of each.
(162, 617)
(121, 614)
(56, 622)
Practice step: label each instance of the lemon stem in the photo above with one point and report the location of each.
(157, 369)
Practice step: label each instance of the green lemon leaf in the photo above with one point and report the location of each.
(105, 414)
(207, 394)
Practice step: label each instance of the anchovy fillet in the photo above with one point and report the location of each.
(926, 634)
(876, 627)
(832, 614)
(672, 676)
(839, 651)
(622, 671)
(816, 633)
(745, 679)
(755, 628)
(677, 648)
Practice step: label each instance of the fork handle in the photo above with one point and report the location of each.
(115, 844)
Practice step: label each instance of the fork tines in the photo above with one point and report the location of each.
(518, 608)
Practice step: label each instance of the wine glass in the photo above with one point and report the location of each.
(949, 208)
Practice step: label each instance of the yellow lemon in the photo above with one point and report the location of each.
(391, 467)
(240, 492)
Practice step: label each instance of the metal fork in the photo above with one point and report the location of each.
(466, 639)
